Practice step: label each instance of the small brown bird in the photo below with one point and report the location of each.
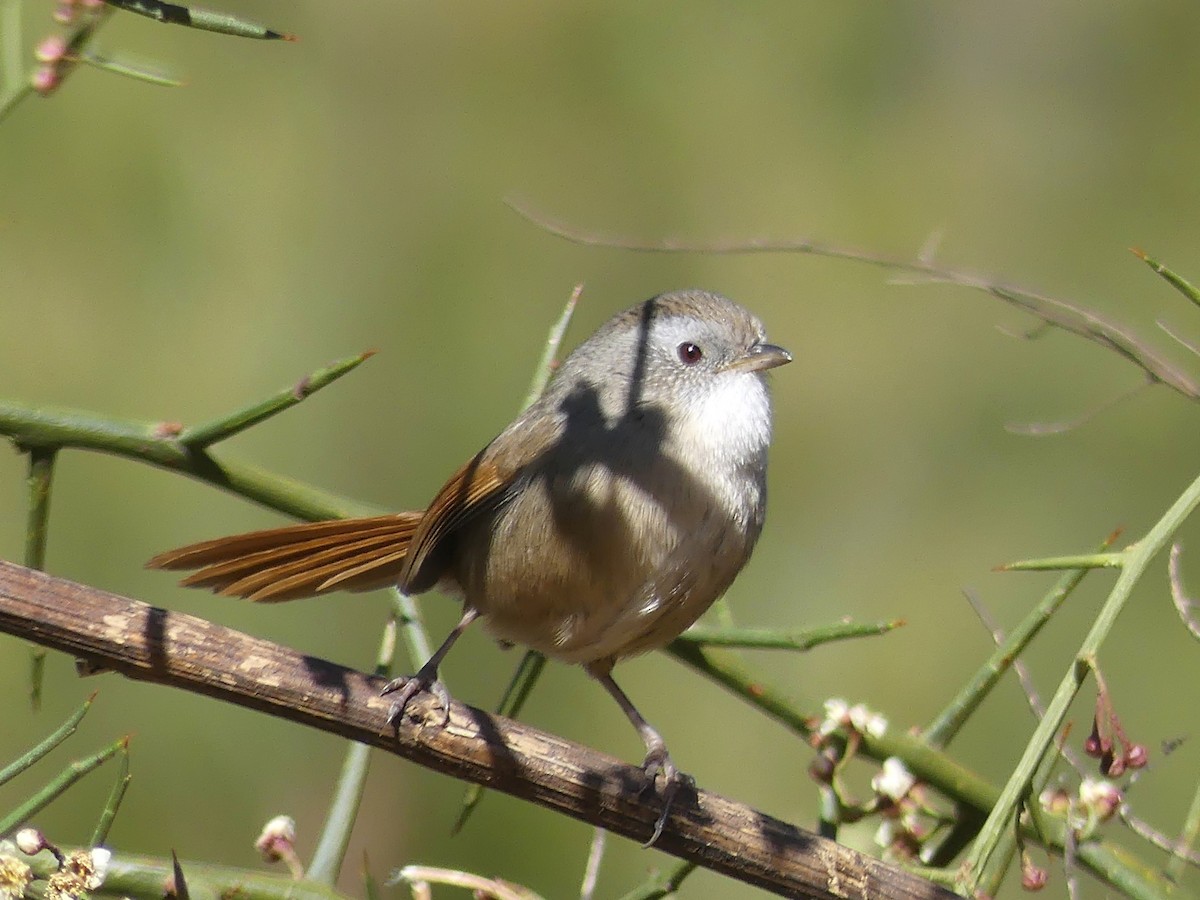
(600, 524)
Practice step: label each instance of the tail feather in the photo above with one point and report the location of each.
(248, 577)
(299, 560)
(203, 553)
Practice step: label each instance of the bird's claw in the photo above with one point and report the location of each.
(657, 762)
(408, 686)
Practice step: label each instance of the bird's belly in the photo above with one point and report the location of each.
(602, 629)
(611, 592)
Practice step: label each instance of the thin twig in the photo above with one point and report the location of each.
(1189, 345)
(998, 638)
(1047, 429)
(591, 871)
(1060, 314)
(1179, 849)
(549, 361)
(1183, 603)
(483, 888)
(1024, 677)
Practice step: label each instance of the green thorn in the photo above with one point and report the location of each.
(201, 436)
(202, 19)
(1176, 281)
(1055, 563)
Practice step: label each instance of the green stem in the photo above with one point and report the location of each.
(11, 100)
(144, 876)
(64, 731)
(115, 796)
(519, 687)
(37, 426)
(1187, 838)
(1053, 563)
(929, 764)
(370, 885)
(200, 436)
(41, 477)
(44, 431)
(138, 71)
(407, 612)
(662, 884)
(56, 788)
(21, 85)
(334, 839)
(545, 366)
(775, 639)
(12, 73)
(947, 724)
(1174, 279)
(1134, 562)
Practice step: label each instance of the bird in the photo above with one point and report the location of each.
(600, 524)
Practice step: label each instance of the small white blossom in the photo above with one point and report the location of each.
(885, 834)
(1055, 801)
(278, 843)
(893, 781)
(30, 841)
(278, 833)
(1102, 798)
(840, 714)
(864, 721)
(837, 714)
(101, 857)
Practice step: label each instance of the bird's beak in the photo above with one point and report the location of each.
(760, 357)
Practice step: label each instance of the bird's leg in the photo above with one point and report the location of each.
(657, 758)
(426, 678)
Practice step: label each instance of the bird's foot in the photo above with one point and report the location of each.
(408, 686)
(658, 762)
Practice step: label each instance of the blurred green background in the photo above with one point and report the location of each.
(173, 254)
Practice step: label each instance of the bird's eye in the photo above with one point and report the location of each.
(689, 353)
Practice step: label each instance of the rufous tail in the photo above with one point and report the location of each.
(299, 560)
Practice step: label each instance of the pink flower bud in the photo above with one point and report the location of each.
(1033, 878)
(45, 79)
(51, 49)
(1136, 756)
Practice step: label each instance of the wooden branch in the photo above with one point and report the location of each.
(157, 645)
